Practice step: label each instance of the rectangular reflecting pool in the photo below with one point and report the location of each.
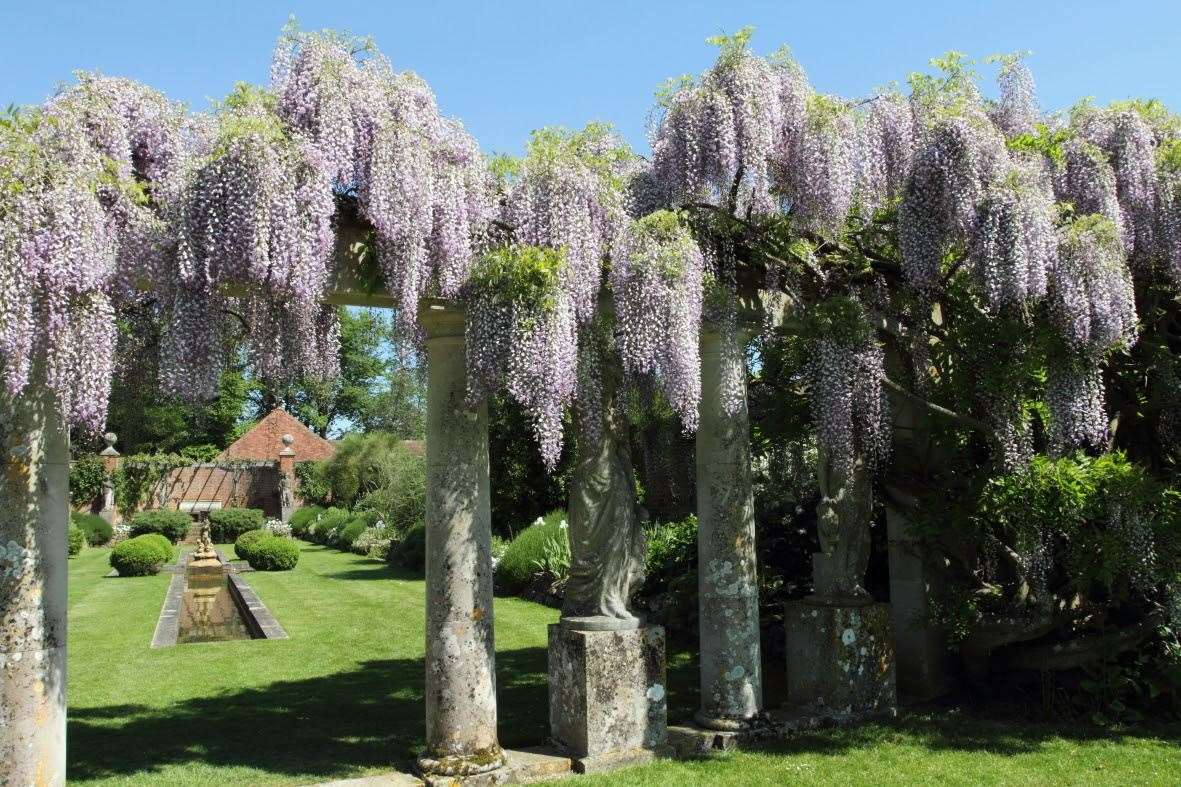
(208, 611)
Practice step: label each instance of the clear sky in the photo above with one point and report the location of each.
(506, 67)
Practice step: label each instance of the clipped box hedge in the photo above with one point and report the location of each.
(173, 525)
(244, 546)
(141, 555)
(226, 524)
(273, 553)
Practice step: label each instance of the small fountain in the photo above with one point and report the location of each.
(208, 610)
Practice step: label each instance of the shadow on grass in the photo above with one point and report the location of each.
(322, 727)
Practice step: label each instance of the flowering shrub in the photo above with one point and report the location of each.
(277, 528)
(542, 546)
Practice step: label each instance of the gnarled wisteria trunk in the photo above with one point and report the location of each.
(727, 575)
(34, 513)
(842, 525)
(460, 651)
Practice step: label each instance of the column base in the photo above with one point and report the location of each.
(459, 765)
(840, 659)
(721, 723)
(607, 690)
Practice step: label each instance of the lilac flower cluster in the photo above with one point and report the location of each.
(1013, 246)
(818, 165)
(656, 280)
(420, 178)
(1017, 112)
(848, 405)
(521, 335)
(1091, 298)
(885, 146)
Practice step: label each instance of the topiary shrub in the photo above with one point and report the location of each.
(323, 530)
(141, 555)
(76, 540)
(98, 530)
(529, 551)
(244, 546)
(348, 534)
(274, 553)
(410, 552)
(302, 518)
(173, 525)
(227, 524)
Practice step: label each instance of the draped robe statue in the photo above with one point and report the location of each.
(843, 519)
(606, 539)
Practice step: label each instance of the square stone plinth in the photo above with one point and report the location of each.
(607, 690)
(840, 659)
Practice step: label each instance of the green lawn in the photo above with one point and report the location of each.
(343, 697)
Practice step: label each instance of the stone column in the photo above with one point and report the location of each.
(34, 512)
(460, 655)
(924, 667)
(727, 576)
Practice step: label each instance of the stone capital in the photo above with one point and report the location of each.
(441, 318)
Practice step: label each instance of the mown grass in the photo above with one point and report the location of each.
(343, 697)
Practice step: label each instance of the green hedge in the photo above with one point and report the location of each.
(323, 530)
(302, 518)
(225, 525)
(98, 530)
(76, 540)
(410, 552)
(173, 525)
(141, 555)
(244, 546)
(274, 553)
(349, 533)
(516, 569)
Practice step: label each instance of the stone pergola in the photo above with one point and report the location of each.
(460, 699)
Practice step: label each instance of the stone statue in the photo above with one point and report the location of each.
(843, 519)
(286, 497)
(204, 553)
(606, 539)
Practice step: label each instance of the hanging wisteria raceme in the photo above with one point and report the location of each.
(521, 335)
(1075, 397)
(255, 219)
(1168, 232)
(845, 372)
(956, 160)
(1017, 111)
(657, 284)
(419, 178)
(1014, 245)
(572, 193)
(1093, 308)
(57, 258)
(1091, 298)
(885, 145)
(818, 165)
(1087, 181)
(716, 137)
(1133, 155)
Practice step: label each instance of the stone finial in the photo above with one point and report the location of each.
(288, 440)
(109, 438)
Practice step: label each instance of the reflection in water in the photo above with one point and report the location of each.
(208, 612)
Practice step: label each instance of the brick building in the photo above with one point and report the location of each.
(246, 474)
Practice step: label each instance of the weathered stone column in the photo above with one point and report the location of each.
(460, 655)
(34, 512)
(727, 575)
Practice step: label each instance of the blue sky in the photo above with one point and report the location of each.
(505, 68)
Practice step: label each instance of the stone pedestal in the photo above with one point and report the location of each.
(460, 655)
(727, 577)
(840, 659)
(607, 692)
(924, 661)
(34, 515)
